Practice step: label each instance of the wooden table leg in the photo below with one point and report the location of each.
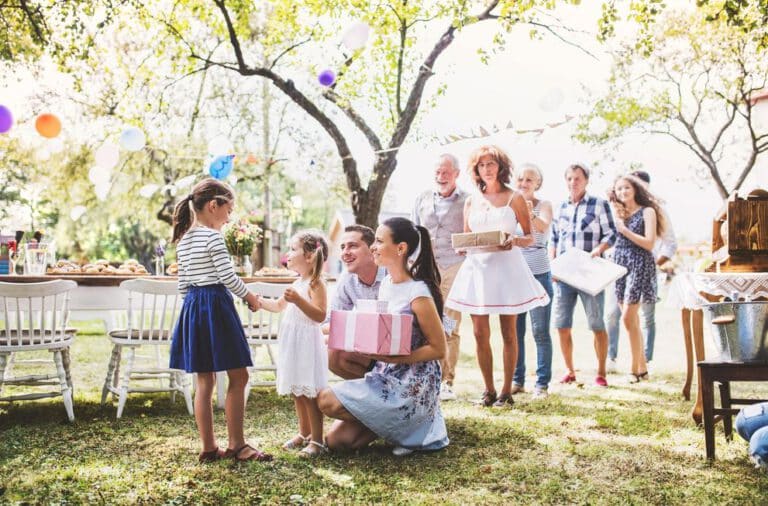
(687, 340)
(707, 392)
(697, 319)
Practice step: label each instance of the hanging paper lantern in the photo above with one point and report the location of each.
(132, 139)
(107, 155)
(326, 77)
(48, 125)
(102, 190)
(76, 212)
(221, 166)
(6, 119)
(220, 146)
(98, 175)
(356, 35)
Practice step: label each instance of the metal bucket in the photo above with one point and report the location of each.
(740, 330)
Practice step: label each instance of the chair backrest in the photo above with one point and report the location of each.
(153, 306)
(34, 313)
(262, 325)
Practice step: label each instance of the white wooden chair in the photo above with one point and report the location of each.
(153, 307)
(34, 318)
(261, 332)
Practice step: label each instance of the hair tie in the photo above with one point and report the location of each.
(417, 251)
(190, 197)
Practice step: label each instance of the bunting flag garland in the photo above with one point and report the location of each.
(494, 129)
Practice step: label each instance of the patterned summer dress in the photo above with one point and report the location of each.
(400, 402)
(639, 284)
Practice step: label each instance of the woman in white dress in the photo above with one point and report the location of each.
(497, 280)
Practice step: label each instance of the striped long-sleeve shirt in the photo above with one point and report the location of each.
(204, 260)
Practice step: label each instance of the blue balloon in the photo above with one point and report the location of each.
(758, 447)
(221, 166)
(751, 418)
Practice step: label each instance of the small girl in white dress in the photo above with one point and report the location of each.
(302, 358)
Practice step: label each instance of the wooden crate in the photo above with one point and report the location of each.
(747, 227)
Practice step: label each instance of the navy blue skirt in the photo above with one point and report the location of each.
(209, 335)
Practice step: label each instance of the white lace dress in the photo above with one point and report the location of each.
(302, 357)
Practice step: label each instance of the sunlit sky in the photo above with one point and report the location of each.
(531, 84)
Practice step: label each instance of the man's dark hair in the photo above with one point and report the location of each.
(642, 175)
(578, 166)
(365, 232)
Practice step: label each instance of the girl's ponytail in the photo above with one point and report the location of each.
(425, 269)
(317, 267)
(182, 218)
(313, 242)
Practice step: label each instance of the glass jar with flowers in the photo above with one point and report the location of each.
(241, 237)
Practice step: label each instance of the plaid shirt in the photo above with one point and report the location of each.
(584, 225)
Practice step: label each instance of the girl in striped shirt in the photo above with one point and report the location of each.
(209, 335)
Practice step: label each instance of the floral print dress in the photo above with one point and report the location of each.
(400, 402)
(639, 284)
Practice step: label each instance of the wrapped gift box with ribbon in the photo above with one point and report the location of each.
(480, 240)
(367, 331)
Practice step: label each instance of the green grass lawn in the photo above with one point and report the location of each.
(627, 444)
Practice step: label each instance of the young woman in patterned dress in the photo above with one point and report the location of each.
(638, 221)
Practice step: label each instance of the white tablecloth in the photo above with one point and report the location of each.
(685, 287)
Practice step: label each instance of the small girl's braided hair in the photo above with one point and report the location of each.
(314, 243)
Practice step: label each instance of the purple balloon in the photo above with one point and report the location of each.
(6, 119)
(326, 77)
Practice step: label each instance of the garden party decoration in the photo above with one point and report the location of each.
(48, 125)
(107, 155)
(221, 166)
(326, 77)
(132, 139)
(6, 119)
(356, 35)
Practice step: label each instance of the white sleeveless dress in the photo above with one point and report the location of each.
(497, 282)
(302, 357)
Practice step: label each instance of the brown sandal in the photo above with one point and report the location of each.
(211, 456)
(256, 455)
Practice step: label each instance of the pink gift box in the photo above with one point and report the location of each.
(375, 333)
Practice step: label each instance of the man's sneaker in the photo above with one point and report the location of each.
(612, 367)
(401, 451)
(447, 393)
(539, 393)
(517, 389)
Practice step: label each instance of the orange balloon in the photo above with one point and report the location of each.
(251, 159)
(48, 125)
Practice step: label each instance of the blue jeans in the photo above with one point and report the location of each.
(613, 322)
(540, 328)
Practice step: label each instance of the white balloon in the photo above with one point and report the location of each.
(132, 139)
(148, 190)
(99, 175)
(356, 35)
(185, 182)
(102, 190)
(43, 154)
(55, 145)
(76, 212)
(220, 146)
(107, 155)
(170, 188)
(597, 126)
(551, 100)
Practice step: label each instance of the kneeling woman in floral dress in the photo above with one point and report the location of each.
(399, 399)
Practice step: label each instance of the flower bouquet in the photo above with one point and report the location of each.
(241, 237)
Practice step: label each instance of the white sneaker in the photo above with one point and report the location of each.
(401, 451)
(612, 367)
(539, 393)
(447, 393)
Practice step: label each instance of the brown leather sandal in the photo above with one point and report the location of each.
(211, 456)
(256, 455)
(488, 399)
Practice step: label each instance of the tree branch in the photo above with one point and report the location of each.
(358, 120)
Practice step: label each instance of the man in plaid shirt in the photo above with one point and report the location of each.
(583, 222)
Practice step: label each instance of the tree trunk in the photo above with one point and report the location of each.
(366, 203)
